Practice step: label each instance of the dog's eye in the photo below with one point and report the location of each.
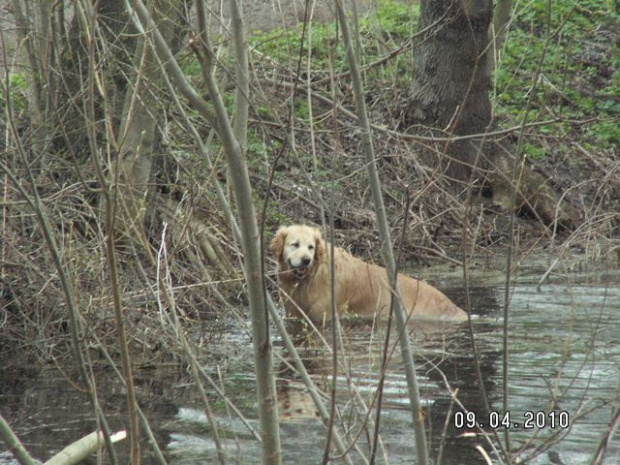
(310, 247)
(295, 244)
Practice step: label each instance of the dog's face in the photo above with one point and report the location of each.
(297, 248)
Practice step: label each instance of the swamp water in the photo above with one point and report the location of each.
(564, 378)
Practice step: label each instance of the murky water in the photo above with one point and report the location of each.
(564, 378)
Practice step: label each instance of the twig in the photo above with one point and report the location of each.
(110, 200)
(75, 329)
(516, 180)
(403, 136)
(305, 377)
(335, 327)
(165, 288)
(606, 439)
(485, 454)
(242, 190)
(386, 343)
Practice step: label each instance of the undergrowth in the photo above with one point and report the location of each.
(572, 50)
(381, 31)
(315, 162)
(566, 54)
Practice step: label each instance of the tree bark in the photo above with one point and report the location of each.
(137, 134)
(450, 97)
(39, 51)
(450, 88)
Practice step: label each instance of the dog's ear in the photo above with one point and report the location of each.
(277, 243)
(319, 244)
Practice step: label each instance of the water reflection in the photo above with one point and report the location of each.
(444, 362)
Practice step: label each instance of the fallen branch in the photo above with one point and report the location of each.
(82, 448)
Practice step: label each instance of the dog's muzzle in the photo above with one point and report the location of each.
(300, 271)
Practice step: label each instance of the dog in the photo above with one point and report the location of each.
(361, 289)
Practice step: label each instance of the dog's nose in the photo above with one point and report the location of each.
(305, 261)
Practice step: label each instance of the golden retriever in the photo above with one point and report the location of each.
(361, 289)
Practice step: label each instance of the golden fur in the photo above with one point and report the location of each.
(361, 288)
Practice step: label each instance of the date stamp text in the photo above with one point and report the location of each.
(524, 420)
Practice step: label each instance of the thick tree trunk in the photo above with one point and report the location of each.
(39, 53)
(91, 31)
(450, 88)
(450, 97)
(450, 84)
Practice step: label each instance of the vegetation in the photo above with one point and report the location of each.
(578, 77)
(123, 233)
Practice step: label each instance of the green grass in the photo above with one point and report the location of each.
(577, 78)
(380, 31)
(17, 86)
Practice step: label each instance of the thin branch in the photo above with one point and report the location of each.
(516, 179)
(307, 380)
(242, 77)
(242, 190)
(14, 445)
(386, 243)
(75, 329)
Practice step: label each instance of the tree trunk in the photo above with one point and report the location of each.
(137, 135)
(450, 89)
(39, 54)
(450, 97)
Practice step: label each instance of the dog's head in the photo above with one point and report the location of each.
(298, 248)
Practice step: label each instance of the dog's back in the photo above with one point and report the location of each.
(361, 288)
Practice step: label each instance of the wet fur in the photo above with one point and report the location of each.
(361, 288)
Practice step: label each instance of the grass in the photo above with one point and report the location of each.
(380, 31)
(17, 85)
(578, 83)
(579, 77)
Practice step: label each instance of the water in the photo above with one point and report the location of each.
(564, 359)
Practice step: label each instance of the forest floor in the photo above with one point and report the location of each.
(305, 161)
(576, 154)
